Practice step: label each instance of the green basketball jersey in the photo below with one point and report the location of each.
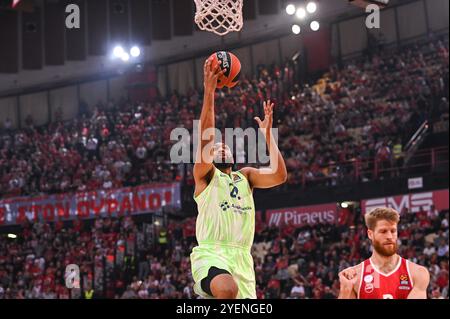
(226, 211)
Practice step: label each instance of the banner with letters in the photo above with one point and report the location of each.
(413, 202)
(114, 203)
(301, 216)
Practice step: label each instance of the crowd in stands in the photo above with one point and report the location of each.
(330, 130)
(120, 258)
(363, 113)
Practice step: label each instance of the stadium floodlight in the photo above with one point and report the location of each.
(15, 3)
(290, 9)
(125, 57)
(118, 51)
(311, 7)
(315, 26)
(296, 29)
(12, 236)
(344, 205)
(135, 51)
(301, 13)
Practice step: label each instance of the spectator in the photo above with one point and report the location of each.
(429, 249)
(442, 249)
(7, 124)
(436, 294)
(328, 293)
(297, 291)
(129, 293)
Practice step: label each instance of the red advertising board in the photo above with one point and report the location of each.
(413, 202)
(300, 216)
(114, 203)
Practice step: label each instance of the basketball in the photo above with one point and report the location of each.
(231, 63)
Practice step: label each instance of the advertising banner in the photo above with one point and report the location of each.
(113, 203)
(413, 202)
(300, 216)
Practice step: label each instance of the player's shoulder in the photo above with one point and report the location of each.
(418, 272)
(246, 170)
(359, 267)
(417, 269)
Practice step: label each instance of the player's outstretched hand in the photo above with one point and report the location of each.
(211, 75)
(268, 116)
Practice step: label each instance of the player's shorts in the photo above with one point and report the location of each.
(237, 260)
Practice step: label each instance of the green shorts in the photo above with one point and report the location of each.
(237, 260)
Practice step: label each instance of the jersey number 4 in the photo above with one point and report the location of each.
(234, 192)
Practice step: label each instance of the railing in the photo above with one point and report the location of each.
(415, 141)
(353, 171)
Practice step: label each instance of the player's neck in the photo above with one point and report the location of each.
(227, 170)
(384, 263)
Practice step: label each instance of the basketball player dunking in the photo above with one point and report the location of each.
(385, 275)
(222, 264)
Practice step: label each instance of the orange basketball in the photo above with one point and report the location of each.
(232, 65)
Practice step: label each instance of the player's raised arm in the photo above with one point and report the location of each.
(421, 279)
(204, 157)
(276, 173)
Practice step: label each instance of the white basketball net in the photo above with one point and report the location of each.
(219, 16)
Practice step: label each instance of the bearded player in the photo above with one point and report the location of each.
(222, 264)
(385, 275)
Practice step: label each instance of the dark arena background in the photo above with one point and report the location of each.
(90, 92)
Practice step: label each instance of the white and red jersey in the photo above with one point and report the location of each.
(373, 284)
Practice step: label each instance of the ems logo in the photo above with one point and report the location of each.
(368, 279)
(368, 288)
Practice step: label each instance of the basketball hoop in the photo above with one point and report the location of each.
(219, 16)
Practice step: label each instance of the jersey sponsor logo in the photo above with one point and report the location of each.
(224, 206)
(404, 288)
(404, 280)
(368, 279)
(239, 209)
(368, 288)
(237, 178)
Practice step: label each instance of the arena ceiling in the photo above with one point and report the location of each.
(33, 40)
